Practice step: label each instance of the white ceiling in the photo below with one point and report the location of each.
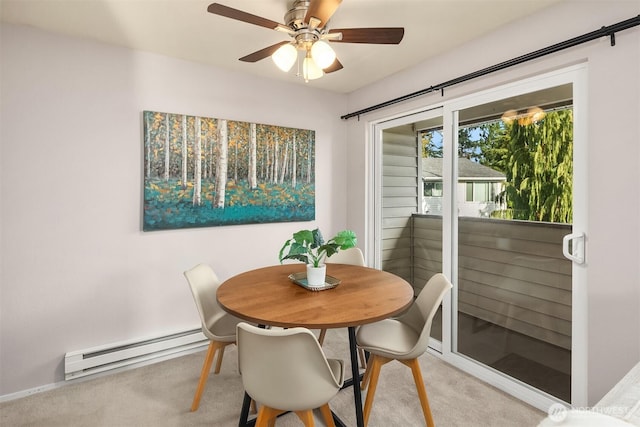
(184, 29)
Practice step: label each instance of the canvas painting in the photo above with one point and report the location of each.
(207, 172)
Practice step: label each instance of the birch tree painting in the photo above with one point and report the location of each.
(204, 172)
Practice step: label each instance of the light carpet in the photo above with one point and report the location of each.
(161, 395)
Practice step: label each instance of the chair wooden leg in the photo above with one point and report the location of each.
(363, 358)
(306, 417)
(422, 392)
(214, 346)
(323, 333)
(267, 416)
(206, 367)
(222, 346)
(367, 374)
(327, 415)
(375, 363)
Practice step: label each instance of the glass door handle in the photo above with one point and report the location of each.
(573, 247)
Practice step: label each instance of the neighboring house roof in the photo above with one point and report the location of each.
(467, 170)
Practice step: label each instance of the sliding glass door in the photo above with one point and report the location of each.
(497, 203)
(514, 194)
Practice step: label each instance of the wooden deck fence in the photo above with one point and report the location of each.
(511, 273)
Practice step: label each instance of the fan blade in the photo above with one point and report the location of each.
(262, 53)
(392, 35)
(229, 12)
(333, 67)
(322, 10)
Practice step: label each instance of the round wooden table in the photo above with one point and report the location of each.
(267, 296)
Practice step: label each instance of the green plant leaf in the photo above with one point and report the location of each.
(282, 257)
(303, 237)
(346, 239)
(318, 240)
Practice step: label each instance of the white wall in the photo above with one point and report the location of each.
(613, 247)
(76, 269)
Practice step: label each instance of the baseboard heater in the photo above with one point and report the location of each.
(99, 359)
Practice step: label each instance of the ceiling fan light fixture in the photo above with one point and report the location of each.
(310, 70)
(306, 23)
(285, 57)
(323, 55)
(509, 116)
(524, 118)
(536, 114)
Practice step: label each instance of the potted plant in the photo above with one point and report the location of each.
(309, 247)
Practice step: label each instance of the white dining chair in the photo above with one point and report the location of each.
(217, 324)
(286, 370)
(351, 256)
(404, 338)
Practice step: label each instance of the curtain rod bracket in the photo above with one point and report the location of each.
(442, 91)
(611, 34)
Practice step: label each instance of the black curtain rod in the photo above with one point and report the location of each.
(609, 31)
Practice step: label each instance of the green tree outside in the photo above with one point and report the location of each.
(537, 158)
(540, 168)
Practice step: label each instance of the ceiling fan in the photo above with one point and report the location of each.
(306, 24)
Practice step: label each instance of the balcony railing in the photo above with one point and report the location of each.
(510, 273)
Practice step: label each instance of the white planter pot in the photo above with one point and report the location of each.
(316, 275)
